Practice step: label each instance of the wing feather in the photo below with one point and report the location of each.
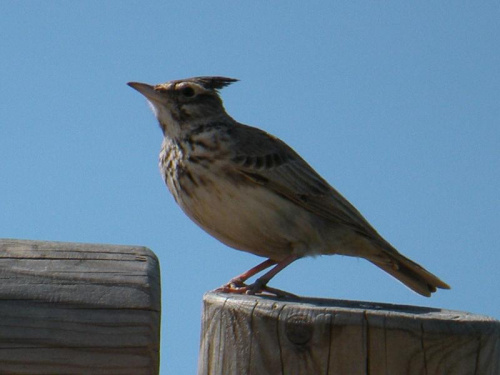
(294, 179)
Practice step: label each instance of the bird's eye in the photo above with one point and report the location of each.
(187, 92)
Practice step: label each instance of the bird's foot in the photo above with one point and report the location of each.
(236, 286)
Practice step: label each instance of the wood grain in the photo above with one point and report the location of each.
(256, 335)
(68, 308)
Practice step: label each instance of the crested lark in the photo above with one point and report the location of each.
(254, 193)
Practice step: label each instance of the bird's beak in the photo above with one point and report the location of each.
(148, 91)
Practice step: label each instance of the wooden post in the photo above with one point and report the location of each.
(255, 335)
(68, 308)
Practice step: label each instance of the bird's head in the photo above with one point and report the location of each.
(185, 103)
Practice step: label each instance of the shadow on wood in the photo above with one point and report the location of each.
(255, 335)
(68, 308)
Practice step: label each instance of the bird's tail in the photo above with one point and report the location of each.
(409, 273)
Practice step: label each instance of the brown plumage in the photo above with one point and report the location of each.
(254, 193)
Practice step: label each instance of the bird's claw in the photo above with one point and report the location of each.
(239, 287)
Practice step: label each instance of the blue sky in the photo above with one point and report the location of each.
(396, 104)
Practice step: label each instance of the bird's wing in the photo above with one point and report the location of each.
(268, 161)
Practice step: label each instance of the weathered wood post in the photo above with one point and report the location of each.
(249, 335)
(69, 308)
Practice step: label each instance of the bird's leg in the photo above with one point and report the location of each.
(260, 285)
(238, 282)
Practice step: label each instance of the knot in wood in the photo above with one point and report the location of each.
(299, 329)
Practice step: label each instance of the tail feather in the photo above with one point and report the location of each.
(410, 273)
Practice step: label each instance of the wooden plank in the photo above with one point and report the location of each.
(304, 339)
(264, 335)
(348, 340)
(68, 308)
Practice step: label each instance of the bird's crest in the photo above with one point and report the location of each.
(212, 83)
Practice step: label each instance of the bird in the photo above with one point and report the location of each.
(254, 193)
